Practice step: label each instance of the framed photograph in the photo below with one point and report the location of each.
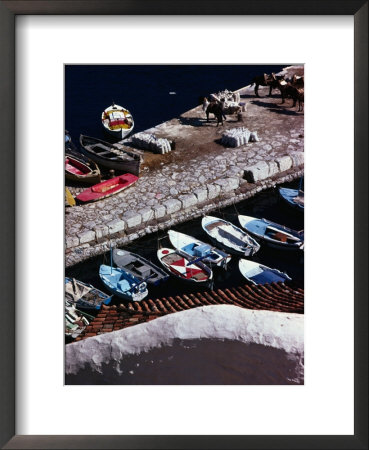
(54, 54)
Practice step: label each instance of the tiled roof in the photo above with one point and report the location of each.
(273, 297)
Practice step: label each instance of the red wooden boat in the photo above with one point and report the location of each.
(107, 188)
(76, 170)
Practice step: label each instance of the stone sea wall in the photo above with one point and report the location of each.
(136, 224)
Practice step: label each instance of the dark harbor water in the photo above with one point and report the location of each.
(152, 93)
(266, 205)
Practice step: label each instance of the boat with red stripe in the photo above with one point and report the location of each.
(182, 267)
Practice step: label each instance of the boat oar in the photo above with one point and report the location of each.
(70, 199)
(200, 258)
(150, 276)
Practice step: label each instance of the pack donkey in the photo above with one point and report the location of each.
(266, 80)
(216, 109)
(289, 91)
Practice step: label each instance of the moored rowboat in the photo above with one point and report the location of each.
(273, 234)
(109, 156)
(139, 267)
(182, 268)
(107, 188)
(123, 284)
(198, 250)
(75, 321)
(229, 236)
(117, 121)
(293, 197)
(259, 274)
(78, 171)
(83, 295)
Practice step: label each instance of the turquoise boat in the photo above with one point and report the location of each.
(293, 197)
(122, 283)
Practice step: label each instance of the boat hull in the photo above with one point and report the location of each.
(195, 249)
(258, 274)
(121, 125)
(139, 267)
(107, 188)
(135, 298)
(181, 268)
(122, 284)
(246, 247)
(77, 171)
(118, 134)
(92, 298)
(109, 156)
(290, 196)
(75, 321)
(269, 232)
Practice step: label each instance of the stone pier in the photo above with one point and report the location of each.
(197, 177)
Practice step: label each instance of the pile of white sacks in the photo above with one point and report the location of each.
(228, 96)
(239, 136)
(231, 101)
(151, 142)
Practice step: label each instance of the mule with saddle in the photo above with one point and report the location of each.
(266, 80)
(293, 89)
(289, 88)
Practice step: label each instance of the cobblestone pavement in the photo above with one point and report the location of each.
(199, 170)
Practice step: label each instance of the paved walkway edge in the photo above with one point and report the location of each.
(210, 197)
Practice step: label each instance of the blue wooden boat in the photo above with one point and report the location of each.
(122, 283)
(273, 234)
(84, 296)
(293, 197)
(257, 273)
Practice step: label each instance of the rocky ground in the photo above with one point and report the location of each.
(196, 172)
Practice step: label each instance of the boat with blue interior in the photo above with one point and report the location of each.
(229, 236)
(294, 197)
(84, 295)
(257, 273)
(198, 250)
(273, 234)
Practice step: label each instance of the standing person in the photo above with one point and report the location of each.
(222, 104)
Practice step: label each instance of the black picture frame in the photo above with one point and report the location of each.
(8, 11)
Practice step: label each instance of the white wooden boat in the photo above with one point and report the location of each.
(229, 236)
(180, 266)
(257, 273)
(75, 321)
(273, 234)
(198, 250)
(117, 121)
